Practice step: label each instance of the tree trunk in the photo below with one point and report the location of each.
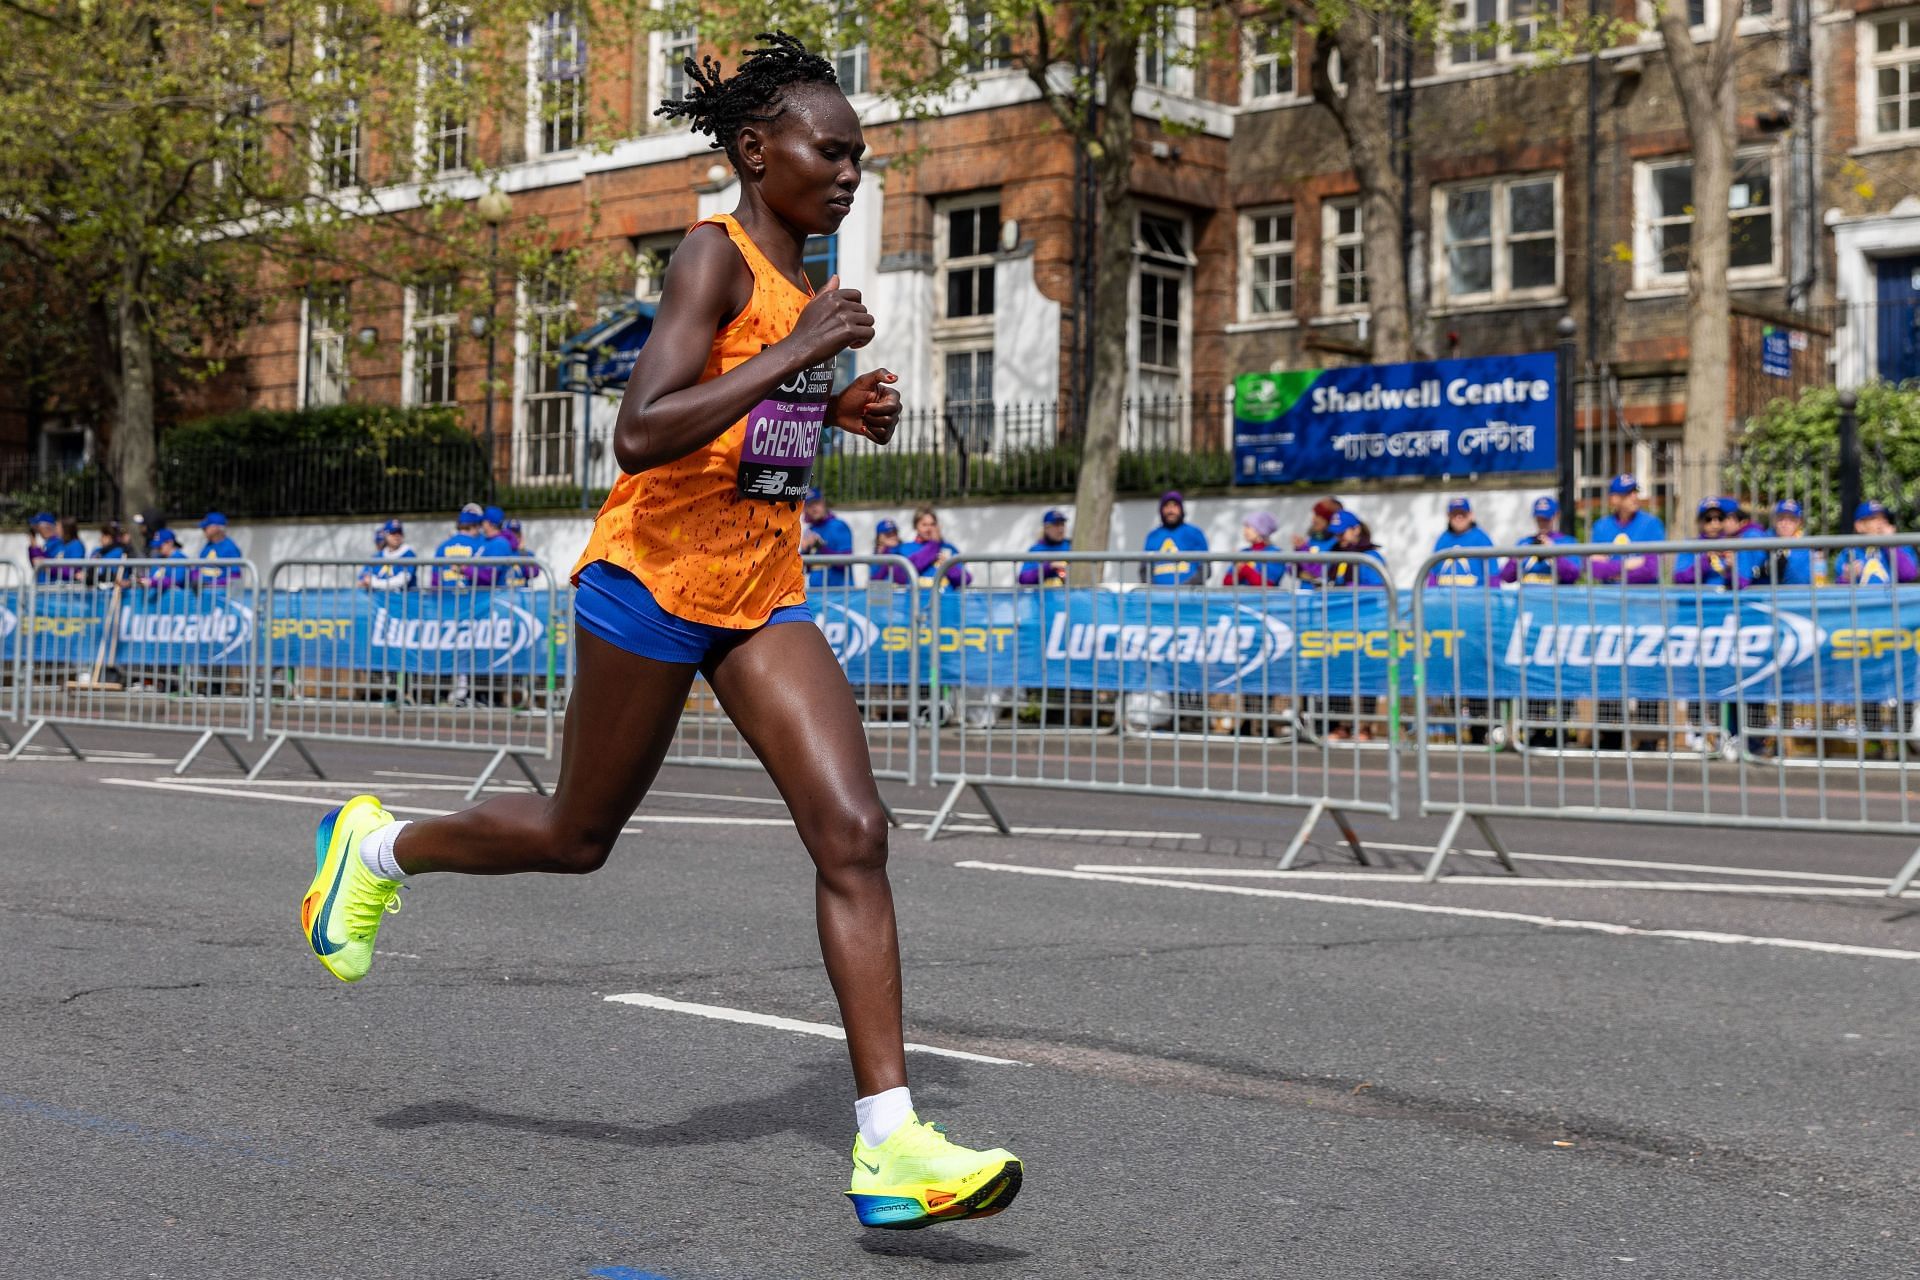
(131, 453)
(1105, 410)
(1360, 110)
(1703, 77)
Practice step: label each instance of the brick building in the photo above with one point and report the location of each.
(1249, 249)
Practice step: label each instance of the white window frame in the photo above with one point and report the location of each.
(1284, 62)
(534, 399)
(1161, 54)
(1871, 62)
(977, 440)
(538, 122)
(650, 257)
(1252, 250)
(852, 64)
(1504, 51)
(320, 308)
(964, 329)
(1331, 241)
(429, 131)
(1501, 239)
(1749, 23)
(322, 138)
(975, 31)
(1152, 261)
(666, 76)
(1647, 274)
(426, 331)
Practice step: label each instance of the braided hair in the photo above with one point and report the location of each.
(721, 105)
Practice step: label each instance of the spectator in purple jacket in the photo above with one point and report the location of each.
(886, 542)
(1543, 570)
(1866, 566)
(931, 552)
(1718, 520)
(1053, 538)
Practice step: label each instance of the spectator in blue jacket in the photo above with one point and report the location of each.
(1786, 568)
(1350, 537)
(1461, 531)
(826, 534)
(394, 570)
(1170, 539)
(465, 544)
(886, 542)
(1543, 570)
(931, 552)
(218, 546)
(1713, 523)
(44, 544)
(1053, 538)
(1625, 522)
(165, 546)
(1258, 532)
(1866, 566)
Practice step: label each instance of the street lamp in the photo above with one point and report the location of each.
(493, 208)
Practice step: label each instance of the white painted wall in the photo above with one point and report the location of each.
(1026, 336)
(1404, 524)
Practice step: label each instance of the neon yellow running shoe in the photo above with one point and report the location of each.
(342, 910)
(917, 1178)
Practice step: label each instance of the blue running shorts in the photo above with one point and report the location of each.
(613, 605)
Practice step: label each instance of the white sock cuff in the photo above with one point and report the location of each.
(376, 851)
(882, 1113)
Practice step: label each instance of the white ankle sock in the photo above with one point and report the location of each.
(377, 852)
(881, 1114)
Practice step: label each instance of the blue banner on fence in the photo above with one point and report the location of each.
(1431, 418)
(1793, 644)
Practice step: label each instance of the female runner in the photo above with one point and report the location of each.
(694, 567)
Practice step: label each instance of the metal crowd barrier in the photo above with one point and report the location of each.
(466, 655)
(163, 645)
(1704, 704)
(869, 621)
(1089, 675)
(13, 603)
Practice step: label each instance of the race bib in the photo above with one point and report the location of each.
(783, 435)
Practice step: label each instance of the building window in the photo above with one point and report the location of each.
(968, 235)
(1166, 52)
(1269, 64)
(1267, 251)
(1164, 271)
(1705, 14)
(546, 431)
(671, 51)
(989, 46)
(337, 139)
(560, 81)
(1895, 66)
(967, 398)
(1494, 30)
(448, 132)
(1343, 256)
(651, 254)
(849, 40)
(433, 324)
(1499, 239)
(1664, 225)
(326, 357)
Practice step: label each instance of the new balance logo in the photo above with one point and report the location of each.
(772, 483)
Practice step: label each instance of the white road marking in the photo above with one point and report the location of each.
(1511, 882)
(1472, 913)
(1640, 864)
(825, 1030)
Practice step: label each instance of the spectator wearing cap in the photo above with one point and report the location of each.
(44, 540)
(1786, 567)
(465, 544)
(165, 545)
(494, 545)
(1316, 538)
(826, 534)
(516, 536)
(1350, 537)
(67, 546)
(217, 546)
(1624, 523)
(1864, 566)
(886, 542)
(1548, 569)
(1462, 533)
(1713, 523)
(1258, 532)
(930, 552)
(1053, 540)
(393, 570)
(1172, 539)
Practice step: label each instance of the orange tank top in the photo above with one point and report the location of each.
(715, 536)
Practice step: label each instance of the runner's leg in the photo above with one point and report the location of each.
(620, 722)
(790, 700)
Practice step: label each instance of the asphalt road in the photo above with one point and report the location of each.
(1343, 1074)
